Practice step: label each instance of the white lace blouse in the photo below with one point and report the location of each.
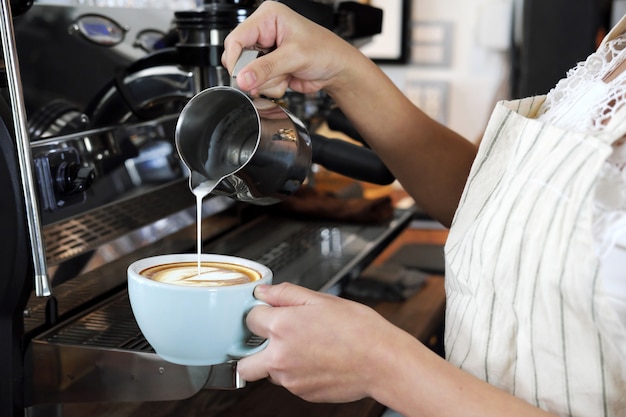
(586, 101)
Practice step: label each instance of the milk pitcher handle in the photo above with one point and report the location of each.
(247, 56)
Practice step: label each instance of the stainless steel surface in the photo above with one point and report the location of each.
(110, 233)
(249, 150)
(320, 255)
(42, 284)
(147, 88)
(88, 254)
(70, 374)
(102, 356)
(246, 57)
(126, 160)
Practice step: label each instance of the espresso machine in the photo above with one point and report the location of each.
(92, 181)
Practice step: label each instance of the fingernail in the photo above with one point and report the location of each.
(261, 288)
(250, 78)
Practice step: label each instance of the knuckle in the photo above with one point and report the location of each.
(266, 66)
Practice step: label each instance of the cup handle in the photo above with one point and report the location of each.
(243, 349)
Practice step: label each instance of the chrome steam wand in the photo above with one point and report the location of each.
(42, 285)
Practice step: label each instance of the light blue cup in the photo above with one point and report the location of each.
(195, 326)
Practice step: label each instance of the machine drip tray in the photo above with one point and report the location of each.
(110, 326)
(100, 355)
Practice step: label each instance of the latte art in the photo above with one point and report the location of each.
(212, 274)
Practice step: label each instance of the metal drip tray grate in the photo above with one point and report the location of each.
(104, 342)
(102, 356)
(291, 248)
(86, 232)
(314, 254)
(111, 326)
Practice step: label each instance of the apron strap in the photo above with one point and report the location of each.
(617, 30)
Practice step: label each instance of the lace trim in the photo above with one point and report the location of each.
(585, 102)
(585, 78)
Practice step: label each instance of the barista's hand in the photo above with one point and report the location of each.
(327, 349)
(307, 57)
(321, 348)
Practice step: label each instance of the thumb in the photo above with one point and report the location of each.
(287, 294)
(268, 74)
(247, 78)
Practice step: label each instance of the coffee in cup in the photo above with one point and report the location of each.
(196, 320)
(203, 274)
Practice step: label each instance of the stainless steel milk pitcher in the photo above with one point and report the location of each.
(251, 150)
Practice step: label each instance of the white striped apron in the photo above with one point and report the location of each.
(525, 310)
